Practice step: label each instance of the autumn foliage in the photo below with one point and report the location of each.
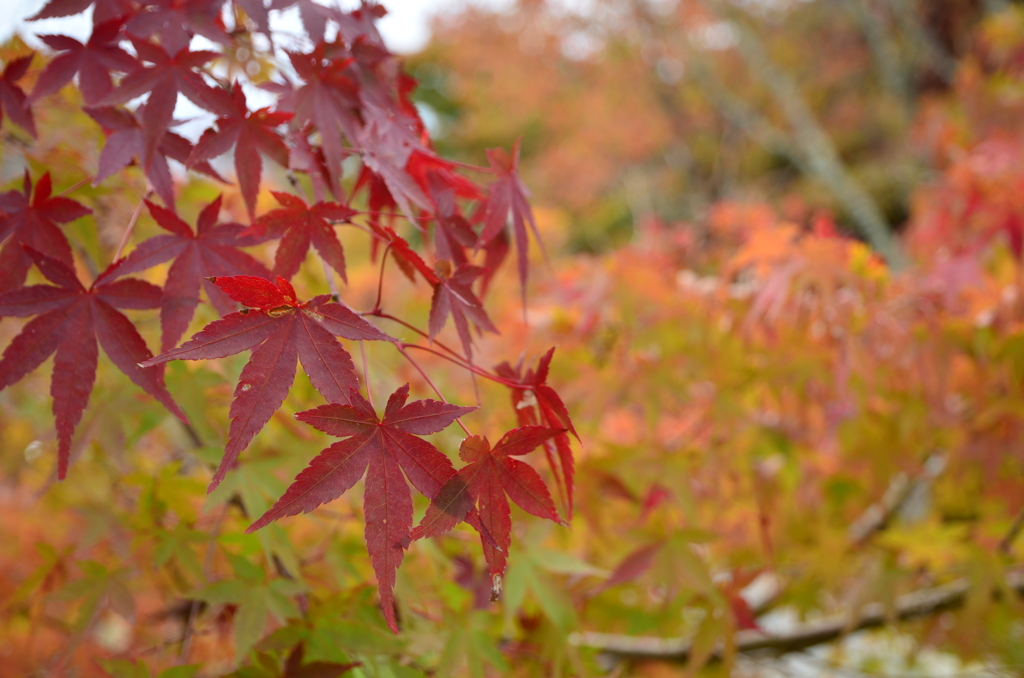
(752, 423)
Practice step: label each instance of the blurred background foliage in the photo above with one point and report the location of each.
(785, 282)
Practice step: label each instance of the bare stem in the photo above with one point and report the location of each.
(380, 281)
(387, 316)
(366, 372)
(131, 227)
(75, 186)
(401, 349)
(467, 366)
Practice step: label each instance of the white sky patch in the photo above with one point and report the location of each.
(406, 28)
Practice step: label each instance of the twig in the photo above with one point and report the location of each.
(75, 186)
(366, 372)
(1011, 535)
(815, 145)
(131, 227)
(380, 281)
(899, 494)
(423, 374)
(473, 369)
(921, 603)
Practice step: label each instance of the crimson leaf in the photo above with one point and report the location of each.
(387, 447)
(299, 225)
(280, 330)
(212, 250)
(27, 219)
(104, 11)
(70, 318)
(176, 21)
(164, 79)
(329, 99)
(489, 476)
(12, 97)
(508, 194)
(453, 295)
(535, 402)
(386, 148)
(93, 62)
(249, 132)
(126, 140)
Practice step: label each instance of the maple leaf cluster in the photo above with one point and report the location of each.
(335, 99)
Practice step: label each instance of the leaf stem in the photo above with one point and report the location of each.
(380, 282)
(455, 357)
(387, 316)
(401, 349)
(131, 227)
(366, 372)
(75, 186)
(467, 366)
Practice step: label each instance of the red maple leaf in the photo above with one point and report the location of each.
(300, 225)
(434, 173)
(387, 447)
(104, 10)
(386, 147)
(280, 330)
(329, 100)
(508, 195)
(163, 80)
(176, 21)
(535, 402)
(27, 219)
(70, 319)
(452, 232)
(126, 141)
(314, 16)
(483, 483)
(93, 62)
(12, 98)
(249, 132)
(378, 197)
(453, 295)
(210, 251)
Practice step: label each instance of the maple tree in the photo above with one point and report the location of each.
(788, 441)
(352, 100)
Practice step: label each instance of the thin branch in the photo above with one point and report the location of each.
(387, 316)
(423, 374)
(366, 372)
(1006, 545)
(883, 49)
(380, 282)
(921, 603)
(924, 43)
(466, 366)
(816, 146)
(131, 227)
(75, 186)
(898, 496)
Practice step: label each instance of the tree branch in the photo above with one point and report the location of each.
(922, 603)
(886, 54)
(816, 146)
(930, 49)
(900, 494)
